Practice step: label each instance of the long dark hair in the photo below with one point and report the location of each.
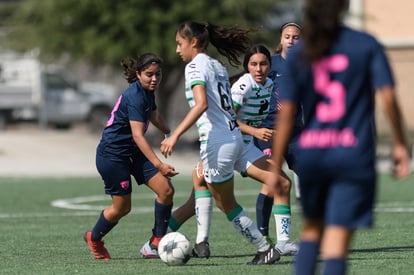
(258, 48)
(322, 19)
(230, 42)
(132, 66)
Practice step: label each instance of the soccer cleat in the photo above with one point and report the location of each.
(270, 256)
(149, 251)
(287, 249)
(97, 247)
(201, 250)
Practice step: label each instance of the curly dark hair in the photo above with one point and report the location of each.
(133, 66)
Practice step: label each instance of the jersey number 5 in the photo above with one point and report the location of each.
(333, 91)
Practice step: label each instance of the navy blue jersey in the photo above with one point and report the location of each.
(134, 104)
(276, 74)
(337, 95)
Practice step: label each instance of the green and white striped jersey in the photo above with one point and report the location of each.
(252, 101)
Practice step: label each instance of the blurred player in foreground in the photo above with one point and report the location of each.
(334, 73)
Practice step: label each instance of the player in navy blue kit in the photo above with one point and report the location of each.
(334, 73)
(289, 36)
(124, 151)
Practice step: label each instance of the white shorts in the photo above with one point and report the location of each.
(250, 154)
(219, 159)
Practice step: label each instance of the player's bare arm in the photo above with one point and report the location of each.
(200, 98)
(137, 128)
(158, 121)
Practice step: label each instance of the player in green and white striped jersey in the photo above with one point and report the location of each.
(251, 96)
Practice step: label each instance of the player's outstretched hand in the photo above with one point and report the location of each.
(167, 170)
(167, 146)
(402, 164)
(263, 134)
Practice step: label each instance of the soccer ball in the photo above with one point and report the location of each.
(174, 249)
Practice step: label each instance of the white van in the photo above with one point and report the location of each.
(31, 92)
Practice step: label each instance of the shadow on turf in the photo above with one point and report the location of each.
(284, 260)
(289, 260)
(383, 249)
(215, 256)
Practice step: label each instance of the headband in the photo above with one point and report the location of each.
(284, 26)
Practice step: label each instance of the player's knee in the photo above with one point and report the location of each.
(119, 212)
(286, 183)
(166, 195)
(169, 191)
(283, 187)
(125, 211)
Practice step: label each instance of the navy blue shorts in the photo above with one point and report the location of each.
(116, 172)
(290, 155)
(339, 198)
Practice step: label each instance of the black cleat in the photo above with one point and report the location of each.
(201, 250)
(269, 256)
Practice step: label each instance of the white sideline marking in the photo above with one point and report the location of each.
(85, 209)
(81, 203)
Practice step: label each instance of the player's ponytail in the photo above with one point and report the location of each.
(230, 42)
(321, 26)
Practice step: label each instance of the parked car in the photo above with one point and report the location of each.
(31, 91)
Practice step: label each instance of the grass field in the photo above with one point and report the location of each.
(40, 238)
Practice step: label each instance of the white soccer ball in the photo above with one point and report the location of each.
(175, 249)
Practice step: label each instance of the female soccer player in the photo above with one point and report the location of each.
(207, 90)
(289, 36)
(124, 151)
(334, 74)
(251, 95)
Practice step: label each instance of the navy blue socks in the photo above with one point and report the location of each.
(101, 228)
(307, 258)
(334, 266)
(264, 207)
(162, 213)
